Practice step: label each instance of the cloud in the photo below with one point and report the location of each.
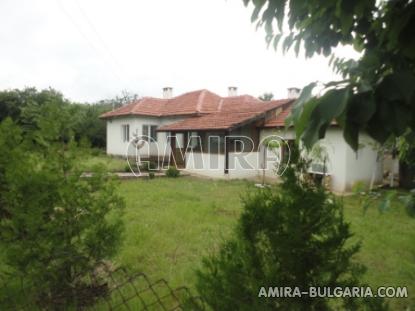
(91, 49)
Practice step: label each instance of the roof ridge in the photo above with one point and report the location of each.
(220, 104)
(195, 91)
(200, 100)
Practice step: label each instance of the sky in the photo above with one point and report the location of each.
(94, 49)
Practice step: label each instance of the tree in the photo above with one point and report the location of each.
(377, 94)
(124, 98)
(19, 104)
(24, 106)
(266, 96)
(293, 236)
(88, 125)
(57, 225)
(406, 150)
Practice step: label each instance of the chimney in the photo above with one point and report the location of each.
(293, 92)
(167, 92)
(232, 91)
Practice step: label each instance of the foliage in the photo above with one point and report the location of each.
(151, 175)
(173, 172)
(368, 198)
(406, 147)
(148, 166)
(111, 163)
(266, 96)
(377, 93)
(122, 99)
(128, 169)
(292, 236)
(16, 103)
(409, 202)
(172, 223)
(57, 226)
(88, 125)
(24, 106)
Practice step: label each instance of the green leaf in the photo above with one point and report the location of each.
(361, 108)
(277, 39)
(287, 43)
(327, 108)
(301, 104)
(297, 47)
(398, 86)
(351, 135)
(258, 6)
(379, 133)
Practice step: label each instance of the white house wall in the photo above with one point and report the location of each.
(243, 165)
(116, 145)
(335, 146)
(205, 164)
(343, 166)
(364, 165)
(268, 165)
(213, 165)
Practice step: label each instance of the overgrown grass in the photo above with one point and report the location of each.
(112, 164)
(172, 223)
(388, 246)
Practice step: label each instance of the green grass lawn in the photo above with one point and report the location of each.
(172, 223)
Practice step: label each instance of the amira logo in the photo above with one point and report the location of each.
(217, 153)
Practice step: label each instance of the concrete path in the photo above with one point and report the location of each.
(130, 175)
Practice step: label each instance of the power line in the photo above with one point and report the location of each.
(81, 32)
(94, 29)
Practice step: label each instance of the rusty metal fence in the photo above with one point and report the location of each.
(114, 289)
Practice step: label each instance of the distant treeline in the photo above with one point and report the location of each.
(23, 106)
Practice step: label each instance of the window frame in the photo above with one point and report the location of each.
(149, 132)
(125, 132)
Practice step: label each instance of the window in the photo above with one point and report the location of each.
(319, 158)
(153, 133)
(238, 145)
(149, 131)
(194, 140)
(215, 142)
(125, 132)
(145, 132)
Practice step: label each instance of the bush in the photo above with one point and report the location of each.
(97, 152)
(132, 167)
(148, 166)
(127, 168)
(292, 235)
(59, 226)
(173, 172)
(151, 175)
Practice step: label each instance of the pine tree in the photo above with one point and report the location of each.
(291, 235)
(57, 226)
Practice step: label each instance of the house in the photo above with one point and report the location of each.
(226, 137)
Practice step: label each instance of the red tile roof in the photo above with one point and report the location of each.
(202, 101)
(209, 111)
(279, 120)
(231, 115)
(213, 121)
